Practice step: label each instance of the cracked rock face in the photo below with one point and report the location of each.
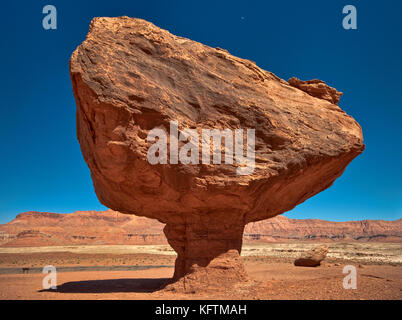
(130, 77)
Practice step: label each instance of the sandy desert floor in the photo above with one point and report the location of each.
(138, 272)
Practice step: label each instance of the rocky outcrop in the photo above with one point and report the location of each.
(130, 77)
(313, 257)
(317, 88)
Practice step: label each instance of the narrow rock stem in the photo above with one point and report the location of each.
(208, 249)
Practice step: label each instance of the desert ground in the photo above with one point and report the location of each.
(139, 272)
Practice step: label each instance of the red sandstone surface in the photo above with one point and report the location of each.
(130, 77)
(270, 280)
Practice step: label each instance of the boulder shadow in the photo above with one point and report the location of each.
(142, 285)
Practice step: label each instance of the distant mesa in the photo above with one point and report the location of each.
(32, 229)
(81, 227)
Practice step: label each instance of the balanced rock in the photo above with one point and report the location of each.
(131, 78)
(313, 257)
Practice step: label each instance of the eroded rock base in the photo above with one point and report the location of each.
(224, 272)
(208, 248)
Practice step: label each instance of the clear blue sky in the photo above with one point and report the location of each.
(41, 166)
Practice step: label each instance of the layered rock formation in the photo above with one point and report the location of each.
(317, 88)
(130, 77)
(81, 227)
(111, 227)
(283, 229)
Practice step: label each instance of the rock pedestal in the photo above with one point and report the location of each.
(130, 77)
(208, 250)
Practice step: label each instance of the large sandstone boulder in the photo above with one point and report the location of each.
(313, 257)
(130, 77)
